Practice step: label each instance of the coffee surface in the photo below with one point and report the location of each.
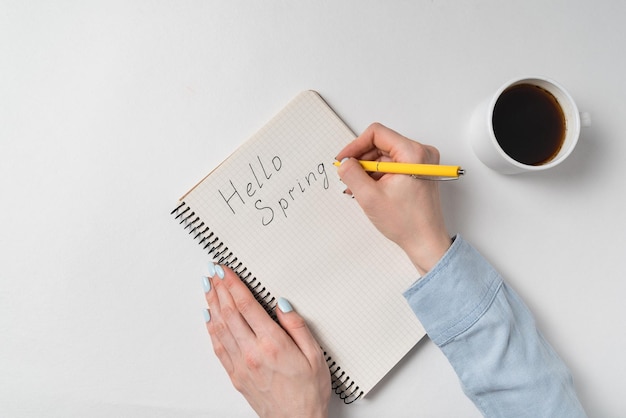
(529, 124)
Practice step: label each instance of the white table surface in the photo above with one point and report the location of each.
(110, 110)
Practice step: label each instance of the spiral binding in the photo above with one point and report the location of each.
(342, 385)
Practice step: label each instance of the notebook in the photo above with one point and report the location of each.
(275, 212)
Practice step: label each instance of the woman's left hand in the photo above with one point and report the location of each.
(280, 371)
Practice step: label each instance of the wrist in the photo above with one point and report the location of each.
(426, 253)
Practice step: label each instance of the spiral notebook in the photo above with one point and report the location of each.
(275, 212)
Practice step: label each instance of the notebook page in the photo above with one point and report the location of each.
(279, 206)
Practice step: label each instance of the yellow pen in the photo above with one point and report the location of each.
(416, 170)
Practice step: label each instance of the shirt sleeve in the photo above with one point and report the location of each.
(488, 335)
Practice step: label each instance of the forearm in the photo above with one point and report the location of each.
(505, 366)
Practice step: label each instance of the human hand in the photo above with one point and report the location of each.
(406, 210)
(280, 371)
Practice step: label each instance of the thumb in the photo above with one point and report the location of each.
(297, 329)
(353, 176)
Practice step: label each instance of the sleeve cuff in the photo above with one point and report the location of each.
(452, 296)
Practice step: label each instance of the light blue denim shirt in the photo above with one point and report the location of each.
(488, 335)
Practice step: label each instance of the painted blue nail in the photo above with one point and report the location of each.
(206, 314)
(220, 271)
(206, 284)
(284, 305)
(211, 269)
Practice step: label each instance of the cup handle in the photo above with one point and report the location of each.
(585, 119)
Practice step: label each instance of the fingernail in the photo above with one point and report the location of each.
(206, 284)
(344, 160)
(220, 271)
(284, 305)
(211, 269)
(206, 314)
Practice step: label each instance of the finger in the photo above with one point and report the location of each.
(229, 311)
(358, 181)
(254, 315)
(219, 349)
(207, 284)
(299, 332)
(218, 331)
(226, 324)
(377, 140)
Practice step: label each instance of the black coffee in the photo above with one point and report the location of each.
(529, 124)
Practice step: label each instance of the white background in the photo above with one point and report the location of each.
(111, 110)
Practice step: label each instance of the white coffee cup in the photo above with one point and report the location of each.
(490, 151)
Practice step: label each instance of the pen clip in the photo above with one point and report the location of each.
(431, 178)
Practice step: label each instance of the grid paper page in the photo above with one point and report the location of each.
(278, 204)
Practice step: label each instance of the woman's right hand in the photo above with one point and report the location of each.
(406, 210)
